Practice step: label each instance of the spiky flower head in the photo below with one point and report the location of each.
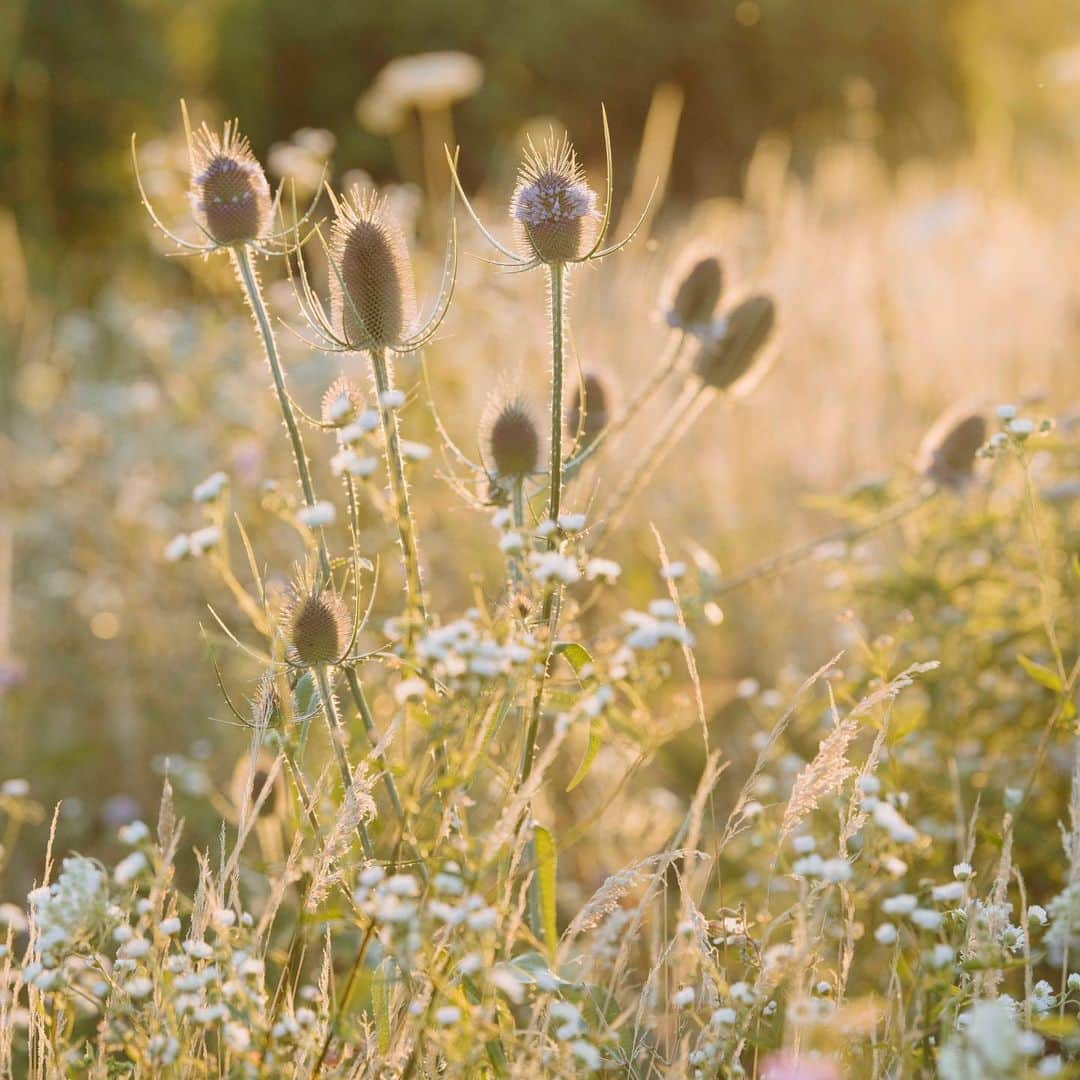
(512, 437)
(230, 197)
(695, 298)
(553, 206)
(373, 296)
(316, 627)
(725, 358)
(342, 403)
(947, 453)
(592, 390)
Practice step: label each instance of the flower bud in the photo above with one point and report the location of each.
(553, 206)
(372, 293)
(947, 453)
(724, 359)
(695, 299)
(230, 197)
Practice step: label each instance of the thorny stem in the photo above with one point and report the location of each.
(398, 487)
(557, 276)
(335, 730)
(250, 282)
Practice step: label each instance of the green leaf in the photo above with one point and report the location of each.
(596, 740)
(577, 655)
(380, 1000)
(1042, 675)
(546, 866)
(532, 969)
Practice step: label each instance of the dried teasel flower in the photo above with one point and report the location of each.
(230, 196)
(594, 417)
(317, 627)
(693, 302)
(553, 206)
(342, 403)
(724, 359)
(947, 453)
(373, 296)
(512, 438)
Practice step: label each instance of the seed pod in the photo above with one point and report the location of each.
(372, 293)
(591, 420)
(553, 206)
(230, 197)
(342, 403)
(317, 628)
(722, 360)
(947, 453)
(512, 437)
(697, 295)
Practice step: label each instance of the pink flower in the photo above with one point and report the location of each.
(789, 1066)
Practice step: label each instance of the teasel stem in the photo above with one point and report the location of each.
(517, 511)
(250, 282)
(336, 731)
(557, 277)
(783, 562)
(686, 408)
(399, 488)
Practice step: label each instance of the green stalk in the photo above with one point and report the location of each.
(335, 730)
(255, 301)
(557, 275)
(396, 469)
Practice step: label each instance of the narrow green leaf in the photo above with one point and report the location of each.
(596, 740)
(546, 867)
(577, 655)
(380, 1000)
(1042, 675)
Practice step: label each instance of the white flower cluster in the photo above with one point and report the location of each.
(659, 624)
(462, 650)
(70, 909)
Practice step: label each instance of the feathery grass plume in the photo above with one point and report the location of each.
(592, 392)
(553, 205)
(512, 437)
(230, 197)
(372, 293)
(247, 783)
(947, 453)
(722, 360)
(694, 300)
(317, 626)
(342, 403)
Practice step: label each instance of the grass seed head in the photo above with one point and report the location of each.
(342, 403)
(695, 299)
(594, 417)
(947, 454)
(317, 627)
(513, 438)
(373, 296)
(230, 197)
(723, 360)
(247, 783)
(553, 207)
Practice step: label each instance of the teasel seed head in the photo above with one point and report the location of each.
(947, 453)
(342, 403)
(726, 358)
(553, 207)
(372, 292)
(591, 420)
(694, 300)
(230, 197)
(512, 438)
(316, 627)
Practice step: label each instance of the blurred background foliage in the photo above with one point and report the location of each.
(920, 77)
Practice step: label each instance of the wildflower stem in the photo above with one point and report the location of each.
(336, 732)
(557, 277)
(400, 491)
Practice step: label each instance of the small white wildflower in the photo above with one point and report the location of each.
(683, 997)
(129, 868)
(363, 425)
(199, 950)
(415, 451)
(742, 992)
(410, 690)
(16, 788)
(1030, 1043)
(869, 784)
(349, 461)
(447, 1015)
(809, 866)
(885, 934)
(1043, 998)
(836, 870)
(511, 541)
(550, 564)
(371, 875)
(1036, 913)
(169, 926)
(747, 688)
(571, 522)
(237, 1037)
(402, 885)
(305, 1017)
(1073, 982)
(317, 515)
(803, 844)
(505, 980)
(926, 918)
(940, 956)
(123, 933)
(673, 571)
(224, 918)
(139, 987)
(210, 488)
(177, 548)
(132, 834)
(962, 871)
(1013, 795)
(603, 569)
(1021, 427)
(202, 540)
(586, 1053)
(724, 1016)
(135, 949)
(392, 399)
(449, 883)
(947, 893)
(1006, 412)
